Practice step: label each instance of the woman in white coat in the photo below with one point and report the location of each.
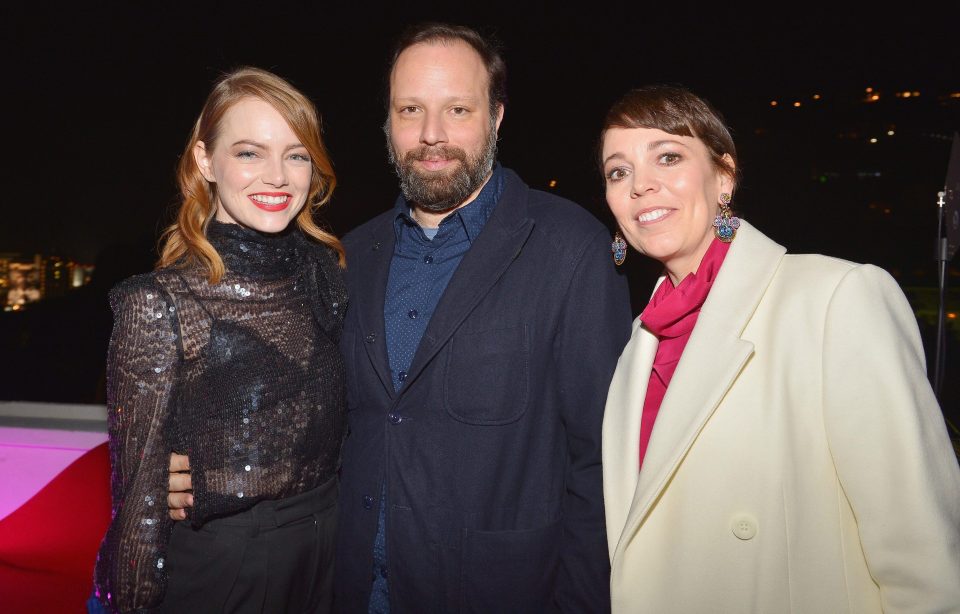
(771, 443)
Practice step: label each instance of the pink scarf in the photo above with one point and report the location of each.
(671, 316)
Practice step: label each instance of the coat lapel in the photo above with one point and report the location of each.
(621, 428)
(370, 268)
(498, 245)
(711, 361)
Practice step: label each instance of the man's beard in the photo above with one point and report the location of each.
(443, 190)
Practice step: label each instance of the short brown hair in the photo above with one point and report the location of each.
(488, 50)
(676, 110)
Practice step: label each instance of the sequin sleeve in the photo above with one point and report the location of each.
(141, 366)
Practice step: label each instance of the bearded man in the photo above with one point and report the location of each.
(484, 325)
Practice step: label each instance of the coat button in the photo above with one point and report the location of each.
(367, 502)
(376, 246)
(371, 337)
(395, 418)
(744, 526)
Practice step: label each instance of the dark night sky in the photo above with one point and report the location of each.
(100, 99)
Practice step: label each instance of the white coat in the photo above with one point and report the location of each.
(799, 461)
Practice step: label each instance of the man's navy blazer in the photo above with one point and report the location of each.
(490, 453)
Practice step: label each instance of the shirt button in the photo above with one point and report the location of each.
(428, 259)
(412, 314)
(371, 337)
(367, 502)
(402, 375)
(744, 526)
(395, 418)
(383, 571)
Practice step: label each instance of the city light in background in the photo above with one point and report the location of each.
(25, 280)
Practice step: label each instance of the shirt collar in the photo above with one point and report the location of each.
(473, 216)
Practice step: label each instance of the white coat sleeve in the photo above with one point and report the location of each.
(889, 443)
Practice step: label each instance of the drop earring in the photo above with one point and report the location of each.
(618, 248)
(725, 224)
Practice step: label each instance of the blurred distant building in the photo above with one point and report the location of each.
(55, 281)
(4, 274)
(25, 280)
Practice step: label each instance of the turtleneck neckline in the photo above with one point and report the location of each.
(246, 251)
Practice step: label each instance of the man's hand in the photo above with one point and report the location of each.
(179, 496)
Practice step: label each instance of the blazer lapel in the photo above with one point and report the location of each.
(711, 361)
(370, 268)
(487, 260)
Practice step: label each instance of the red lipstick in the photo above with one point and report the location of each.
(271, 201)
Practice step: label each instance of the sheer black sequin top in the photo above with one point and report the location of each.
(244, 376)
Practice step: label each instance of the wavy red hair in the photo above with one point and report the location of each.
(185, 243)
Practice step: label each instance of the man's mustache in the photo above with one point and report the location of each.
(435, 152)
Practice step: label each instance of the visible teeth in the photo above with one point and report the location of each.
(650, 216)
(269, 200)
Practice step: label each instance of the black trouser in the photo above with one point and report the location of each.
(275, 557)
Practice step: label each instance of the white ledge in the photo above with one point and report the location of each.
(61, 416)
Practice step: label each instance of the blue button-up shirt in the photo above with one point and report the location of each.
(422, 265)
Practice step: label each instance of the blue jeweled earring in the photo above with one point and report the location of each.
(725, 224)
(619, 249)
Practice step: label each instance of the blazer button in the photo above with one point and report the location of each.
(395, 418)
(371, 337)
(376, 246)
(744, 526)
(367, 502)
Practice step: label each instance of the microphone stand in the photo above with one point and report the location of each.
(939, 360)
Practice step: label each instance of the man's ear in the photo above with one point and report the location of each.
(203, 161)
(499, 117)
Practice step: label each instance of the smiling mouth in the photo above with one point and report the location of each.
(271, 202)
(436, 157)
(652, 216)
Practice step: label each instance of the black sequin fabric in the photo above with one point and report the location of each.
(244, 376)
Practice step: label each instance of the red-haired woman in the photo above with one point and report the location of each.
(227, 352)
